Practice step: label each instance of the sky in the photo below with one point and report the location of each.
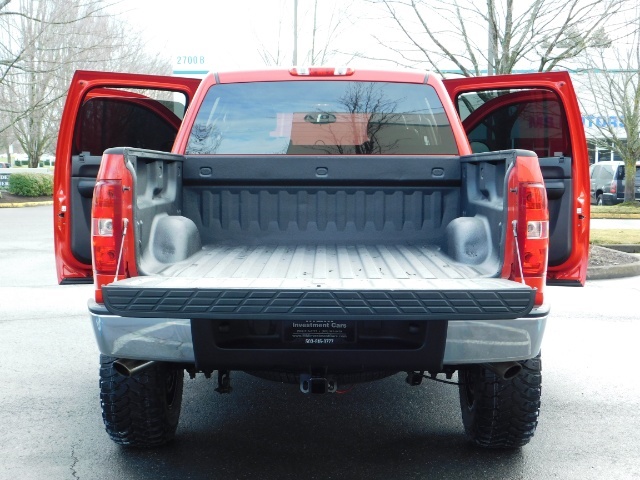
(229, 35)
(219, 35)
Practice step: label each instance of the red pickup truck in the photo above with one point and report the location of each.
(324, 227)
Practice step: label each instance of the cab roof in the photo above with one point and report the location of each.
(356, 74)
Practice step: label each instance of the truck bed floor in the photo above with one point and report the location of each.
(320, 262)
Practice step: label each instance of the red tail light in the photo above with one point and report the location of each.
(533, 235)
(613, 187)
(106, 230)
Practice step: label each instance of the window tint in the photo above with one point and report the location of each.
(106, 122)
(506, 119)
(321, 117)
(620, 174)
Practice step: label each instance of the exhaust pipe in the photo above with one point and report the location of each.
(127, 367)
(504, 370)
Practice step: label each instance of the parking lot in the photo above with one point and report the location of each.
(50, 423)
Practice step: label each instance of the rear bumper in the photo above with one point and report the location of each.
(466, 341)
(610, 199)
(613, 198)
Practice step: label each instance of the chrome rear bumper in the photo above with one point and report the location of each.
(168, 339)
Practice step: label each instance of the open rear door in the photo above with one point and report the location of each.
(537, 112)
(105, 110)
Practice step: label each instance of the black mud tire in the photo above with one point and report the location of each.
(500, 413)
(142, 410)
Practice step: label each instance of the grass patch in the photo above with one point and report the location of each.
(615, 236)
(622, 210)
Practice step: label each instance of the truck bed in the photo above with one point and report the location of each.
(269, 238)
(389, 265)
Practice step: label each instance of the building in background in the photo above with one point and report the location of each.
(599, 150)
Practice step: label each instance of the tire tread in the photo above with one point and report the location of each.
(505, 412)
(135, 410)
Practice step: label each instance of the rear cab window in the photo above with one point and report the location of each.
(322, 118)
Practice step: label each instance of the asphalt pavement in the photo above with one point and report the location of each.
(51, 426)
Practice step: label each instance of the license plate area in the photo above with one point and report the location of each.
(311, 333)
(323, 334)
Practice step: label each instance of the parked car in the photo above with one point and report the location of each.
(5, 165)
(607, 183)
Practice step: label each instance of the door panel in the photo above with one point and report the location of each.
(105, 110)
(537, 112)
(557, 180)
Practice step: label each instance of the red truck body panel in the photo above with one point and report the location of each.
(86, 85)
(574, 269)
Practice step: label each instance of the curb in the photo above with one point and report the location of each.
(606, 272)
(25, 204)
(627, 248)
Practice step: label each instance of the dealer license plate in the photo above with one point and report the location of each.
(319, 333)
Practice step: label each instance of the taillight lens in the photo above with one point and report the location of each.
(613, 187)
(533, 235)
(106, 226)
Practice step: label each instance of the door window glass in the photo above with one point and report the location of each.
(506, 119)
(120, 118)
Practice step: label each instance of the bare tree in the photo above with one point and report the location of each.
(324, 37)
(43, 44)
(612, 77)
(16, 44)
(273, 55)
(5, 145)
(319, 31)
(497, 35)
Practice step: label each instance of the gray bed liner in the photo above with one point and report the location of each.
(319, 281)
(399, 238)
(320, 262)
